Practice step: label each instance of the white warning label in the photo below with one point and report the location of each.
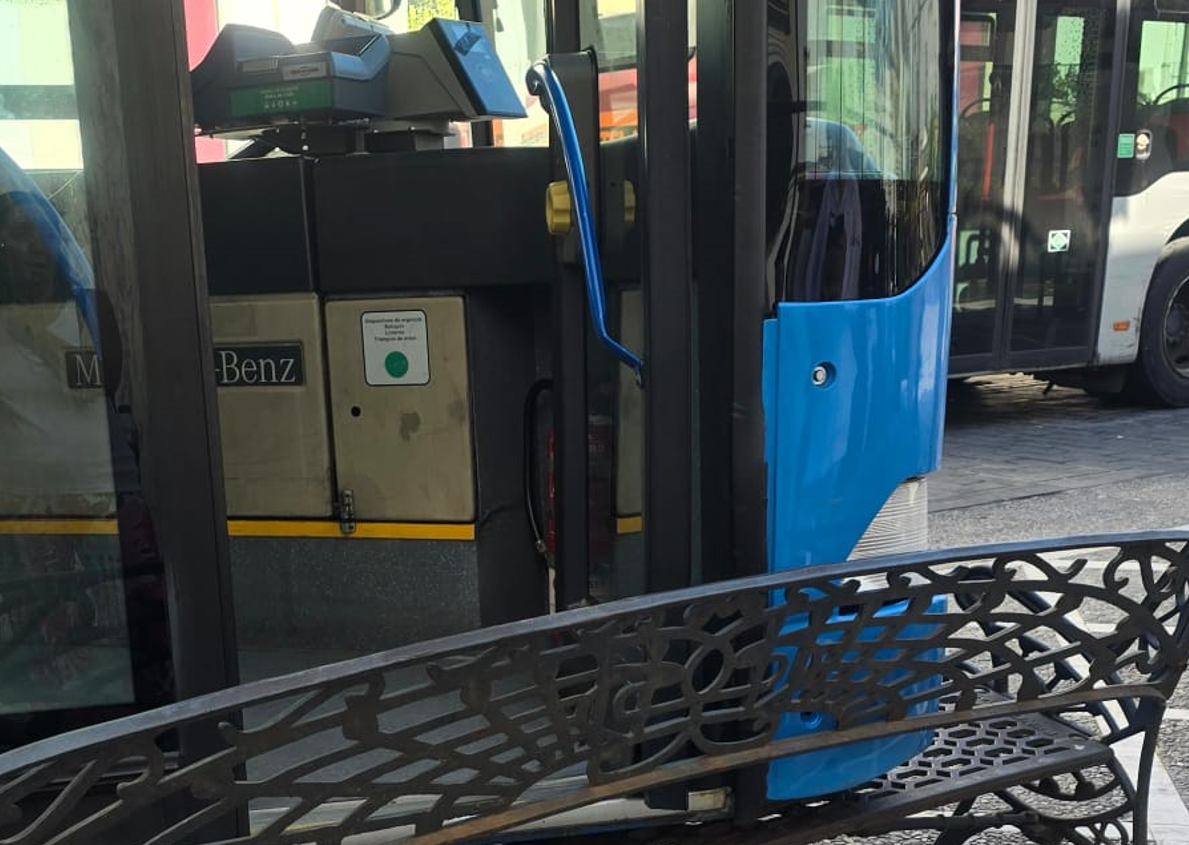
(395, 348)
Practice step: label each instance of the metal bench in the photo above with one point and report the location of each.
(1051, 656)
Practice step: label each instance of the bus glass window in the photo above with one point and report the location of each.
(869, 197)
(609, 26)
(1163, 62)
(984, 87)
(82, 611)
(1162, 96)
(519, 41)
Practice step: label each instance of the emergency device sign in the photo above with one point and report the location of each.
(395, 348)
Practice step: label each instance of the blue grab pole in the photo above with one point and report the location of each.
(543, 82)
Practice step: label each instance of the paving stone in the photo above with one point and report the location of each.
(1008, 439)
(1020, 463)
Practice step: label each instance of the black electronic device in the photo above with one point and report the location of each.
(449, 70)
(354, 74)
(253, 77)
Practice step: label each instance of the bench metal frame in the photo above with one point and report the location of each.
(475, 735)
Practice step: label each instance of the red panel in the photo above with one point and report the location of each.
(202, 25)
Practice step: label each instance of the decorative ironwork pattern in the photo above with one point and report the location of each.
(482, 732)
(1033, 772)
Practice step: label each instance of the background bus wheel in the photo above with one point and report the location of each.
(1161, 371)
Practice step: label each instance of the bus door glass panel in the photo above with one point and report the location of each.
(1063, 214)
(983, 105)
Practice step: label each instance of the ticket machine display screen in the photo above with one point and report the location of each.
(476, 65)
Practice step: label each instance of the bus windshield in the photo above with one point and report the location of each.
(859, 145)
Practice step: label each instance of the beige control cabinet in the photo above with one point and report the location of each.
(401, 408)
(272, 405)
(57, 457)
(629, 447)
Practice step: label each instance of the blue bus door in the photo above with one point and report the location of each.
(791, 321)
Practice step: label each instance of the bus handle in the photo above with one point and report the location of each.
(543, 83)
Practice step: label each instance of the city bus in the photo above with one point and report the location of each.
(441, 409)
(1072, 261)
(1072, 188)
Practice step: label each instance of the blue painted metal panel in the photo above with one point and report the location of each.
(832, 770)
(836, 451)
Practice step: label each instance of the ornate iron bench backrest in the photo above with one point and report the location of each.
(611, 700)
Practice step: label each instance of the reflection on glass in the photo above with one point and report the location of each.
(1163, 72)
(983, 101)
(83, 629)
(609, 26)
(63, 634)
(857, 147)
(1160, 107)
(63, 642)
(38, 125)
(1062, 198)
(520, 40)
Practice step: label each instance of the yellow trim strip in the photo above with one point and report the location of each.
(59, 526)
(363, 530)
(629, 525)
(260, 528)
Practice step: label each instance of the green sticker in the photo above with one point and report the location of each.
(397, 364)
(282, 99)
(1126, 145)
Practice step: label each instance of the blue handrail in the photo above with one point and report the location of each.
(543, 82)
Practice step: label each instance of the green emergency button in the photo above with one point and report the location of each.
(397, 364)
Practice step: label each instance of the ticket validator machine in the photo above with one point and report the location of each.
(380, 304)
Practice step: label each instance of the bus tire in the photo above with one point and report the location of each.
(1160, 374)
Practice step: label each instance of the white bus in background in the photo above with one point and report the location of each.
(1073, 195)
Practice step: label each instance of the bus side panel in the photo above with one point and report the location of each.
(854, 397)
(1141, 225)
(838, 451)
